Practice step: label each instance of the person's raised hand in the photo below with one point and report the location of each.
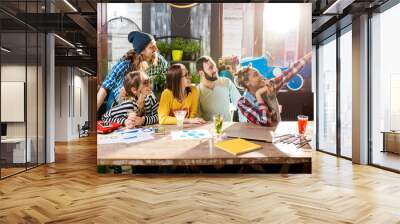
(307, 57)
(266, 89)
(132, 115)
(146, 92)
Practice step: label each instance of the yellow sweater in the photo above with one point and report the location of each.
(168, 104)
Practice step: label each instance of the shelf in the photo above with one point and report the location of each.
(184, 61)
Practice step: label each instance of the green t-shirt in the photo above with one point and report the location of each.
(220, 100)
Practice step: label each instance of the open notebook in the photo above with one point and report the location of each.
(237, 146)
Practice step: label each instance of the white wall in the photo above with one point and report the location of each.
(71, 96)
(61, 103)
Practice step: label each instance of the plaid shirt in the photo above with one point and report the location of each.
(256, 113)
(267, 114)
(159, 69)
(114, 81)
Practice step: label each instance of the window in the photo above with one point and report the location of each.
(22, 77)
(122, 18)
(385, 84)
(281, 39)
(283, 42)
(232, 29)
(327, 96)
(346, 93)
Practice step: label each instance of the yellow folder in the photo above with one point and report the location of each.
(237, 146)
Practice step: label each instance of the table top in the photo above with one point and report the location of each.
(13, 140)
(163, 150)
(391, 132)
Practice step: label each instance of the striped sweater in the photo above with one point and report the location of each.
(119, 113)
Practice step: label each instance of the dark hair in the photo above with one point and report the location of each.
(242, 77)
(200, 62)
(174, 75)
(135, 59)
(132, 79)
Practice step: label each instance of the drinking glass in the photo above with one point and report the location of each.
(302, 123)
(180, 117)
(218, 121)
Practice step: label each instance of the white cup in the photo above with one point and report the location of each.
(180, 117)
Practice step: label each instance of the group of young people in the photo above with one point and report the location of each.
(126, 95)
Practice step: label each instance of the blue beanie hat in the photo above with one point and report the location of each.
(139, 40)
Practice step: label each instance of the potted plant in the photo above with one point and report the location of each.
(187, 50)
(191, 50)
(195, 49)
(163, 48)
(177, 46)
(196, 78)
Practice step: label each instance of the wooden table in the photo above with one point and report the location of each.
(163, 151)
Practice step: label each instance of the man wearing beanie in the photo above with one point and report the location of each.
(144, 50)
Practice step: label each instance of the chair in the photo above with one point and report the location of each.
(84, 130)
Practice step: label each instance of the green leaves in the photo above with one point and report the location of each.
(164, 48)
(178, 43)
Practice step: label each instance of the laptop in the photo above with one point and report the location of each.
(250, 132)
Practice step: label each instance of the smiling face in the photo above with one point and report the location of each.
(150, 50)
(178, 79)
(256, 80)
(207, 68)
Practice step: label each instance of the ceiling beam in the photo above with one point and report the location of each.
(337, 7)
(82, 61)
(84, 24)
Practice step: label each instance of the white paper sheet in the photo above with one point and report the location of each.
(126, 136)
(190, 134)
